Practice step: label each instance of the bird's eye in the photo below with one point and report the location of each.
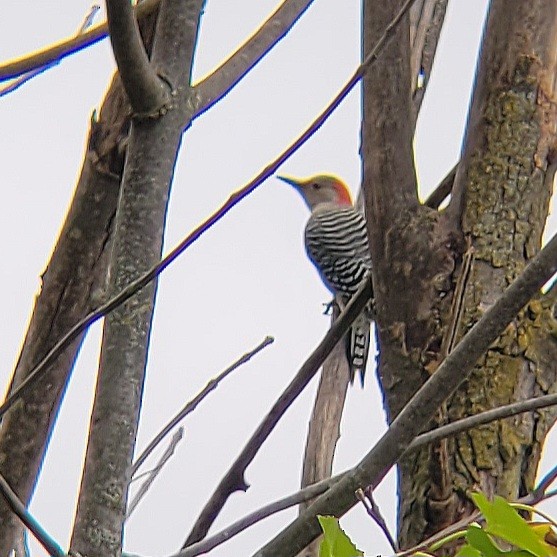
(316, 186)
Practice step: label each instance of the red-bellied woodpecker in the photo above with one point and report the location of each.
(336, 242)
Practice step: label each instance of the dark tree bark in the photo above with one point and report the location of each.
(73, 284)
(500, 201)
(428, 293)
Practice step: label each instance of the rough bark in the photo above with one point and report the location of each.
(414, 251)
(73, 285)
(151, 157)
(500, 201)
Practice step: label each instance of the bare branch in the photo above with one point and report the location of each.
(244, 523)
(30, 522)
(21, 80)
(324, 424)
(374, 512)
(61, 50)
(88, 19)
(220, 82)
(318, 488)
(210, 90)
(145, 90)
(483, 418)
(421, 408)
(234, 478)
(545, 483)
(176, 438)
(442, 191)
(194, 403)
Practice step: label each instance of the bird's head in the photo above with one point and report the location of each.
(321, 189)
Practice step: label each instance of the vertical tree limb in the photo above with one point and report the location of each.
(500, 201)
(152, 151)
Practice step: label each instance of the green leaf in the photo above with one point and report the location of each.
(335, 542)
(504, 522)
(468, 551)
(480, 540)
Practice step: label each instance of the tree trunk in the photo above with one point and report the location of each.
(500, 204)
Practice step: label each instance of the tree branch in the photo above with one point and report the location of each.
(150, 161)
(234, 480)
(194, 403)
(211, 89)
(220, 82)
(146, 92)
(152, 474)
(320, 487)
(66, 47)
(135, 286)
(25, 516)
(421, 408)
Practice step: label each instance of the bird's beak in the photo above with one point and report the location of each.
(292, 181)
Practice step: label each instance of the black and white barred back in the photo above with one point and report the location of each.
(336, 242)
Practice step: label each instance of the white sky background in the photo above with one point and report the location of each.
(246, 278)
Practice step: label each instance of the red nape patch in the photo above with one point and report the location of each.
(344, 197)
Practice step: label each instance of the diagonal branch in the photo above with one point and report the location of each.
(421, 408)
(67, 47)
(18, 508)
(194, 403)
(219, 83)
(146, 92)
(320, 487)
(234, 478)
(211, 89)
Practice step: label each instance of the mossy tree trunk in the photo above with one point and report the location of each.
(436, 272)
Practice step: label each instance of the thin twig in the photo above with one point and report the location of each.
(176, 438)
(193, 404)
(22, 79)
(483, 418)
(367, 500)
(234, 480)
(144, 88)
(30, 522)
(57, 52)
(546, 481)
(88, 19)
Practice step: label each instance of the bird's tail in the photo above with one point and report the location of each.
(357, 346)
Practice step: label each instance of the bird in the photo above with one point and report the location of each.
(336, 243)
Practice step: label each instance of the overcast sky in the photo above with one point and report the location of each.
(245, 279)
